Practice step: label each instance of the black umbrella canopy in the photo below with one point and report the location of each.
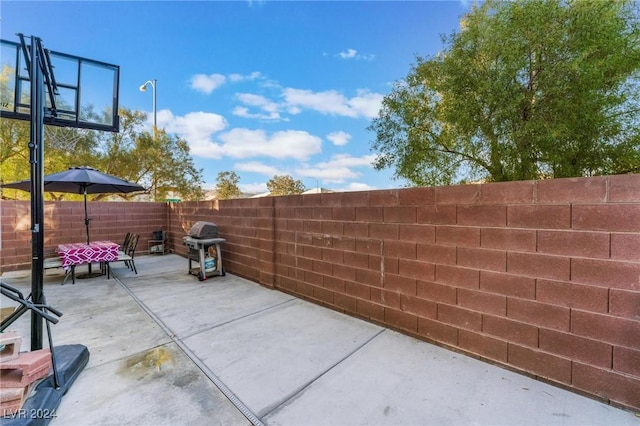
(81, 180)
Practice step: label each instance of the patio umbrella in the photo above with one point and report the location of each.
(81, 180)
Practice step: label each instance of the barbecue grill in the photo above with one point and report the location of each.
(204, 247)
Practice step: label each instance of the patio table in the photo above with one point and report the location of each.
(74, 254)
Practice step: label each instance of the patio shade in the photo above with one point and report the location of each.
(81, 180)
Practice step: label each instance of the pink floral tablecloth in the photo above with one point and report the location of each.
(80, 253)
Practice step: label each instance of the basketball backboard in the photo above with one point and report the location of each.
(87, 90)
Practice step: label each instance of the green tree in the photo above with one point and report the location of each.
(227, 185)
(526, 89)
(285, 185)
(162, 164)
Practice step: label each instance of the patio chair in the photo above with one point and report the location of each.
(54, 262)
(127, 256)
(125, 243)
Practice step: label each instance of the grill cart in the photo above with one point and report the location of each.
(204, 247)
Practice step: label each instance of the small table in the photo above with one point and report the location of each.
(154, 243)
(80, 253)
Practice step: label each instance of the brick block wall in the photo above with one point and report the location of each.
(64, 223)
(539, 276)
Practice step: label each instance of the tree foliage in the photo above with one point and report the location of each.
(285, 185)
(526, 89)
(162, 164)
(227, 185)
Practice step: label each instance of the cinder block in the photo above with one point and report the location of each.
(418, 306)
(436, 292)
(606, 328)
(369, 214)
(615, 387)
(15, 378)
(458, 235)
(606, 217)
(625, 304)
(482, 345)
(540, 314)
(576, 348)
(510, 330)
(418, 233)
(625, 247)
(606, 273)
(483, 259)
(482, 302)
(482, 215)
(457, 277)
(437, 331)
(573, 190)
(458, 194)
(626, 361)
(577, 296)
(400, 214)
(539, 265)
(383, 197)
(29, 361)
(540, 363)
(460, 317)
(436, 215)
(11, 394)
(10, 343)
(574, 243)
(539, 216)
(624, 188)
(416, 196)
(508, 192)
(402, 320)
(10, 408)
(508, 285)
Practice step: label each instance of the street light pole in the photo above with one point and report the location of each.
(143, 88)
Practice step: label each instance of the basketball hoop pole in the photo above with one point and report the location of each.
(36, 148)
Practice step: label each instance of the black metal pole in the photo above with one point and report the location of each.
(86, 220)
(36, 148)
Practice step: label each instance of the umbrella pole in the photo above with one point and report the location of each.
(86, 219)
(86, 215)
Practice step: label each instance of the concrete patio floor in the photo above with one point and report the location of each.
(168, 349)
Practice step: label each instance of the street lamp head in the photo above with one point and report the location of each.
(143, 88)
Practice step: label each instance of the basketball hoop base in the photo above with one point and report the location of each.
(41, 407)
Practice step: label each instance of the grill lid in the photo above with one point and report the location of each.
(202, 230)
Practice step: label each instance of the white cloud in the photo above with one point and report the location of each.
(236, 78)
(338, 169)
(331, 102)
(245, 143)
(207, 83)
(350, 53)
(257, 167)
(353, 54)
(196, 128)
(358, 186)
(339, 138)
(271, 109)
(253, 188)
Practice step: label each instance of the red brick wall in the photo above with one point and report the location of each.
(64, 223)
(542, 277)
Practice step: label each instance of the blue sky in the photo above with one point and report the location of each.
(256, 87)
